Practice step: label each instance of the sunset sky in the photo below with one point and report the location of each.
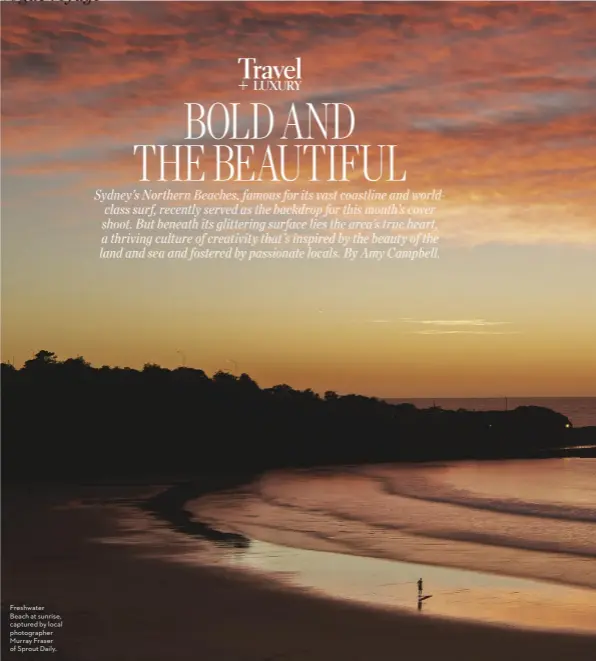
(495, 103)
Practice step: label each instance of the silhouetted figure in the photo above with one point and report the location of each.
(421, 597)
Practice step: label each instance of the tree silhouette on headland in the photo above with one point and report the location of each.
(68, 419)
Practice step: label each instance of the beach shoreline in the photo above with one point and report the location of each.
(200, 512)
(62, 550)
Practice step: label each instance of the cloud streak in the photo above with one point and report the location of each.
(464, 332)
(456, 322)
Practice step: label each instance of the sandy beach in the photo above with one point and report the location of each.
(121, 603)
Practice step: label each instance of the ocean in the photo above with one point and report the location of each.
(580, 410)
(505, 541)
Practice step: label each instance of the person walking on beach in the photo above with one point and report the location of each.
(419, 588)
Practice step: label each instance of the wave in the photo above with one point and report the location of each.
(381, 519)
(469, 516)
(485, 539)
(504, 541)
(432, 491)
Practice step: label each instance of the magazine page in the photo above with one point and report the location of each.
(298, 327)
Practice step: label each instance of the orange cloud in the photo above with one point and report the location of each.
(469, 91)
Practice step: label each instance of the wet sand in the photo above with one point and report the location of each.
(122, 599)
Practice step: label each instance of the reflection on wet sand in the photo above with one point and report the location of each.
(455, 592)
(382, 583)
